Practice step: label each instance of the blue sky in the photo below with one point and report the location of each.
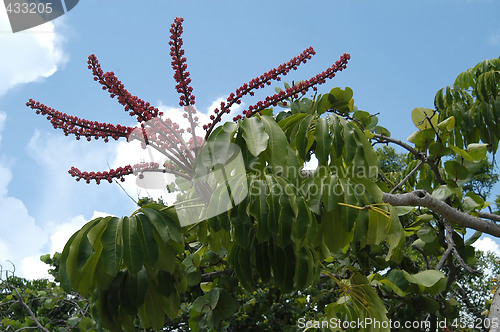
(402, 52)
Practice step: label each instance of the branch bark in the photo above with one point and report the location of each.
(423, 198)
(20, 299)
(494, 313)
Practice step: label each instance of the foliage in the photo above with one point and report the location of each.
(248, 215)
(53, 308)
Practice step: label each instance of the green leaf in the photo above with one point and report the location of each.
(456, 170)
(377, 227)
(152, 311)
(258, 207)
(469, 204)
(277, 145)
(134, 289)
(447, 124)
(323, 141)
(148, 242)
(166, 227)
(341, 100)
(427, 234)
(477, 151)
(301, 138)
(427, 278)
(473, 238)
(225, 305)
(285, 221)
(462, 153)
(424, 118)
(442, 192)
(111, 240)
(242, 224)
(393, 287)
(289, 123)
(255, 136)
(69, 271)
(133, 255)
(331, 193)
(422, 138)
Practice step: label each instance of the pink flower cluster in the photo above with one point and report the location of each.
(119, 173)
(79, 127)
(134, 105)
(301, 87)
(179, 65)
(254, 84)
(165, 135)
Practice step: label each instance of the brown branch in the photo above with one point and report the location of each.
(419, 155)
(421, 251)
(423, 198)
(451, 245)
(491, 216)
(20, 299)
(407, 177)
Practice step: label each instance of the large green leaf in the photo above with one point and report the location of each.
(166, 227)
(133, 255)
(255, 136)
(278, 144)
(111, 240)
(377, 227)
(72, 260)
(285, 221)
(301, 140)
(323, 141)
(242, 224)
(148, 241)
(258, 207)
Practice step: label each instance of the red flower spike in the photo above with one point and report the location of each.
(77, 126)
(115, 87)
(301, 87)
(259, 82)
(179, 65)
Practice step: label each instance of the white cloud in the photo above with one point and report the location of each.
(486, 244)
(32, 267)
(28, 55)
(55, 154)
(20, 236)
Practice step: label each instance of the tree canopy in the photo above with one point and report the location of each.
(375, 242)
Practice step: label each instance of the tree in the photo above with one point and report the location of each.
(248, 214)
(41, 304)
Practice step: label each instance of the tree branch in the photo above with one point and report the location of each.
(451, 245)
(407, 177)
(423, 198)
(419, 155)
(20, 299)
(491, 216)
